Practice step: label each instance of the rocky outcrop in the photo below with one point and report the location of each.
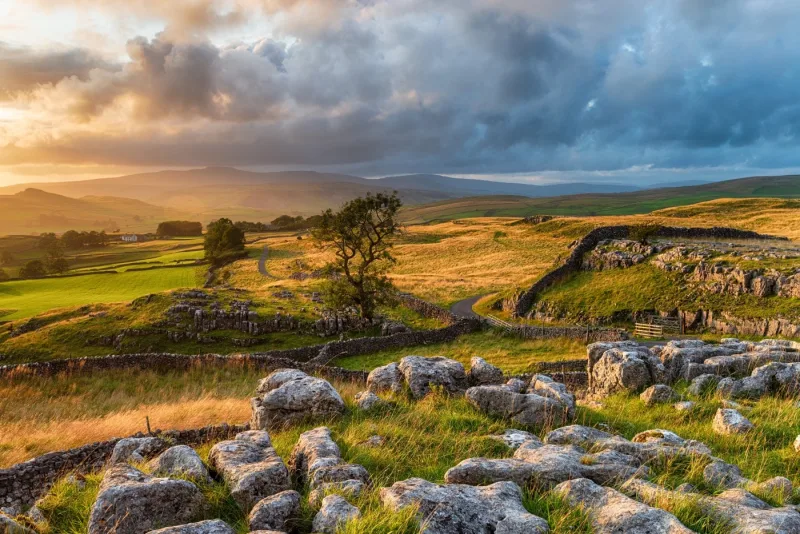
(276, 512)
(317, 462)
(659, 394)
(422, 373)
(623, 368)
(461, 509)
(251, 468)
(727, 422)
(180, 460)
(612, 511)
(9, 526)
(739, 511)
(546, 402)
(482, 373)
(386, 378)
(335, 512)
(136, 449)
(618, 254)
(214, 526)
(289, 396)
(773, 378)
(131, 502)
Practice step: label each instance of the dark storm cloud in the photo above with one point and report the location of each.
(488, 87)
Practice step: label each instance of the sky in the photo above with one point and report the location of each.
(542, 91)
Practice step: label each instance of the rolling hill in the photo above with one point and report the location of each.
(35, 211)
(629, 203)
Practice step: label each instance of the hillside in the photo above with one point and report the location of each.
(630, 203)
(34, 211)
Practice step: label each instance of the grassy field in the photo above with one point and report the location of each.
(425, 438)
(25, 298)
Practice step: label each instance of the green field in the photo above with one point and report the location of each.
(25, 298)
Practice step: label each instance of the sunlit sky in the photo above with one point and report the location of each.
(523, 90)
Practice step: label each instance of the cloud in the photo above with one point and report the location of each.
(463, 86)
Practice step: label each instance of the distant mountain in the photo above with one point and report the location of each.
(677, 183)
(35, 211)
(461, 187)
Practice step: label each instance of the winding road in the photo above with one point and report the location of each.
(463, 308)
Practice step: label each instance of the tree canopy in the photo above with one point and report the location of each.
(223, 239)
(179, 229)
(361, 236)
(33, 269)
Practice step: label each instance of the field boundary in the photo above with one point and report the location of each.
(574, 261)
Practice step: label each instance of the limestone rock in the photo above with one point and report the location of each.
(547, 387)
(517, 385)
(347, 488)
(132, 502)
(684, 406)
(797, 444)
(619, 370)
(612, 511)
(460, 509)
(703, 384)
(728, 421)
(374, 441)
(386, 378)
(482, 373)
(523, 408)
(421, 373)
(180, 460)
(514, 438)
(9, 526)
(366, 400)
(546, 466)
(293, 397)
(723, 475)
(335, 511)
(659, 394)
(275, 512)
(338, 473)
(214, 526)
(314, 449)
(136, 449)
(251, 467)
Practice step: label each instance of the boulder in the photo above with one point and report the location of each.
(703, 385)
(482, 373)
(366, 400)
(347, 488)
(727, 422)
(251, 468)
(611, 511)
(275, 512)
(619, 370)
(338, 473)
(214, 526)
(132, 502)
(522, 408)
(684, 406)
(514, 438)
(421, 373)
(136, 449)
(659, 394)
(292, 397)
(546, 466)
(335, 512)
(386, 378)
(517, 385)
(461, 509)
(547, 387)
(180, 460)
(9, 526)
(314, 449)
(721, 474)
(739, 510)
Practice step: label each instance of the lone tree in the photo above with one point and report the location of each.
(361, 236)
(223, 241)
(33, 269)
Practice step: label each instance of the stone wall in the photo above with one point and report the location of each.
(263, 360)
(21, 485)
(574, 261)
(426, 309)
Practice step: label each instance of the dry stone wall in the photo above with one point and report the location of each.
(574, 262)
